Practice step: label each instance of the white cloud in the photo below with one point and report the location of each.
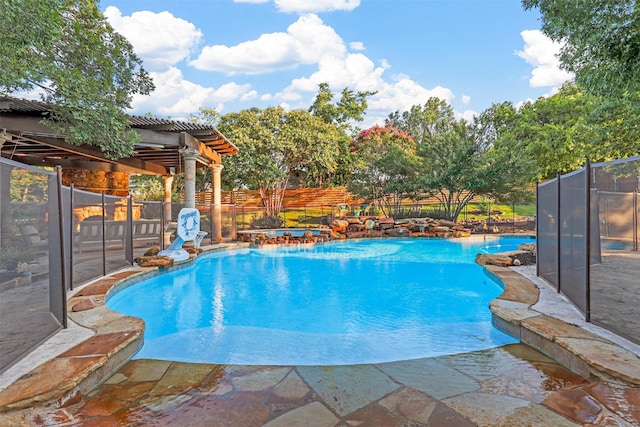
(177, 98)
(306, 41)
(159, 39)
(542, 53)
(315, 6)
(468, 115)
(466, 99)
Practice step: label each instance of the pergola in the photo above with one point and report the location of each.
(166, 147)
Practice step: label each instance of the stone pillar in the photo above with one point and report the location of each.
(168, 183)
(190, 155)
(216, 170)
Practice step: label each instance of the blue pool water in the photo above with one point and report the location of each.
(346, 302)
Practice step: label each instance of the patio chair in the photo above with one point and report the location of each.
(32, 237)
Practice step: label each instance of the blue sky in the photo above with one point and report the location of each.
(237, 54)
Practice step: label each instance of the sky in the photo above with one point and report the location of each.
(237, 54)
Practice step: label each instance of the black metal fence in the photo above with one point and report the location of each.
(54, 238)
(587, 237)
(32, 291)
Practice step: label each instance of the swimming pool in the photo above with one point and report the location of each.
(347, 302)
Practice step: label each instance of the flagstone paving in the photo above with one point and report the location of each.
(513, 385)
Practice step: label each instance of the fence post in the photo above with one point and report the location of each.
(558, 230)
(635, 220)
(588, 241)
(128, 247)
(104, 231)
(71, 235)
(537, 228)
(63, 265)
(164, 225)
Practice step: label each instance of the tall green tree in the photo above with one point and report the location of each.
(345, 114)
(510, 173)
(273, 145)
(84, 69)
(458, 160)
(386, 167)
(601, 42)
(555, 132)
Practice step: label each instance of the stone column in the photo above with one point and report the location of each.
(216, 170)
(190, 155)
(168, 183)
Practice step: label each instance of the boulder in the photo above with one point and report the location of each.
(494, 259)
(461, 233)
(339, 225)
(525, 257)
(152, 251)
(397, 232)
(85, 304)
(530, 247)
(155, 261)
(446, 223)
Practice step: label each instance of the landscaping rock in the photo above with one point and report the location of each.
(525, 257)
(530, 247)
(339, 225)
(155, 261)
(493, 259)
(152, 251)
(85, 304)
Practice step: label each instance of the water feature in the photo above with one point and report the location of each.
(346, 302)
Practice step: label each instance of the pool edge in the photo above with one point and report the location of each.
(577, 349)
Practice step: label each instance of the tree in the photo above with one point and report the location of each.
(458, 160)
(555, 132)
(343, 114)
(274, 144)
(601, 42)
(386, 168)
(498, 132)
(205, 116)
(85, 70)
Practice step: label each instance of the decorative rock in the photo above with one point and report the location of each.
(85, 304)
(525, 257)
(152, 251)
(155, 261)
(491, 259)
(339, 225)
(529, 247)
